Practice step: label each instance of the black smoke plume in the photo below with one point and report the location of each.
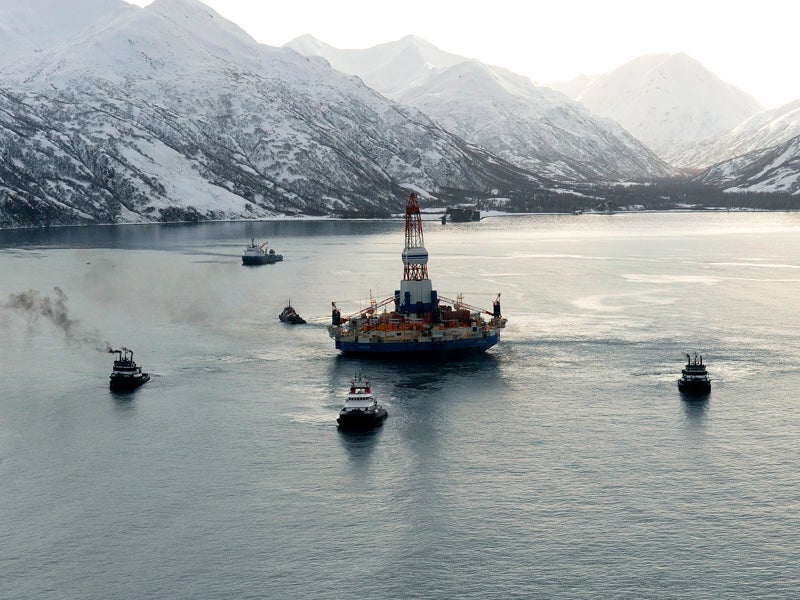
(53, 309)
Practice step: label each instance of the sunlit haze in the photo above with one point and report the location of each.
(752, 46)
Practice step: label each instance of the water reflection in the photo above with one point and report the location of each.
(695, 407)
(170, 236)
(412, 378)
(360, 444)
(123, 401)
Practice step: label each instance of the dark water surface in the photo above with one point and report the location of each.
(563, 464)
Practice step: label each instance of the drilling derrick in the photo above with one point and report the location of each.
(415, 257)
(415, 294)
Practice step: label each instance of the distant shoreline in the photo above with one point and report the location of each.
(394, 217)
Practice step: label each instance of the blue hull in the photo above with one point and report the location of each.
(254, 260)
(416, 349)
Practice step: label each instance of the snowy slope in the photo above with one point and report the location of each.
(172, 112)
(766, 129)
(536, 128)
(29, 27)
(774, 169)
(533, 127)
(390, 68)
(668, 101)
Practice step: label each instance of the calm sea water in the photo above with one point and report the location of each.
(562, 464)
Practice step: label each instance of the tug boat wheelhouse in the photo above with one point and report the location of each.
(694, 377)
(259, 255)
(420, 323)
(126, 375)
(361, 410)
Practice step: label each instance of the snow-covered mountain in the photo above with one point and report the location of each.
(766, 129)
(390, 68)
(670, 102)
(533, 127)
(34, 26)
(130, 114)
(775, 169)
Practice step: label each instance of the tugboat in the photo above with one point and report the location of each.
(289, 315)
(259, 255)
(694, 378)
(126, 375)
(361, 410)
(419, 324)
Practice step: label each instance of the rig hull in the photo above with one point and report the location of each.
(419, 348)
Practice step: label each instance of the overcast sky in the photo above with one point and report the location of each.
(753, 45)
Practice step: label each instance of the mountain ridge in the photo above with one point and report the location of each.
(670, 102)
(170, 112)
(532, 127)
(158, 115)
(767, 170)
(765, 129)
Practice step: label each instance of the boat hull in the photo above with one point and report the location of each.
(260, 260)
(358, 421)
(416, 348)
(123, 384)
(694, 388)
(292, 321)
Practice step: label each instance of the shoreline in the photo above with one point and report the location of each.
(398, 216)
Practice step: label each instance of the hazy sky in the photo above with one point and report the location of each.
(753, 45)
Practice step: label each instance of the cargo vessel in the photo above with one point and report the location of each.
(259, 255)
(416, 321)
